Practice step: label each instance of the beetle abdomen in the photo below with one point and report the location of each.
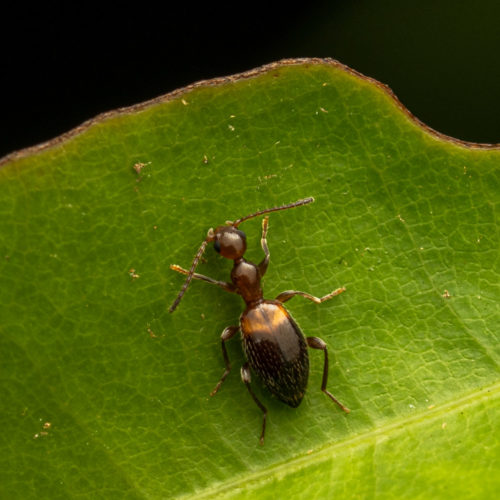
(276, 350)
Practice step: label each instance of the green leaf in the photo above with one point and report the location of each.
(104, 394)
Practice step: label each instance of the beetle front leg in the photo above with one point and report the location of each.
(229, 287)
(247, 378)
(317, 343)
(227, 334)
(263, 241)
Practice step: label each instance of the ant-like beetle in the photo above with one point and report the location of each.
(273, 343)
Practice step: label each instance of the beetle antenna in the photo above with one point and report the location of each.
(297, 203)
(197, 257)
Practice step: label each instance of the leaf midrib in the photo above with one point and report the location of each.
(488, 393)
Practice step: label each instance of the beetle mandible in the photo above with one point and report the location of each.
(273, 343)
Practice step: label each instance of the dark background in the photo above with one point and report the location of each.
(63, 64)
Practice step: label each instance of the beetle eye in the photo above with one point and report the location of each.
(217, 246)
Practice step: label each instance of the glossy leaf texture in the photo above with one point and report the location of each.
(104, 394)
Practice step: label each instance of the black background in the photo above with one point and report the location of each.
(63, 64)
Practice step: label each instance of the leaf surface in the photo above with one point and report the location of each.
(106, 395)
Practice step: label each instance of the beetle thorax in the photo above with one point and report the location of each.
(246, 276)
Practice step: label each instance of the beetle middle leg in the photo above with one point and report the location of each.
(317, 343)
(289, 294)
(227, 334)
(247, 378)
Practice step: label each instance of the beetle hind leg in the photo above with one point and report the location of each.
(246, 378)
(317, 343)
